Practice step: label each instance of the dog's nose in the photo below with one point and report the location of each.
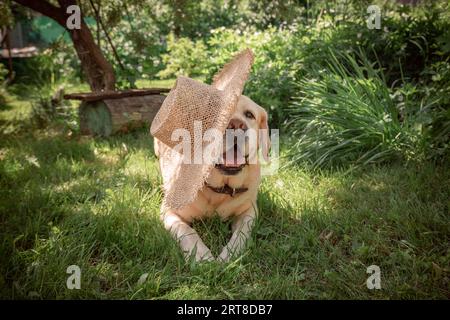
(237, 124)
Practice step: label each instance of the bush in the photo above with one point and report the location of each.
(48, 108)
(346, 114)
(276, 62)
(186, 57)
(3, 74)
(57, 63)
(139, 45)
(434, 110)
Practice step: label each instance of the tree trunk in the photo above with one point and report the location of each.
(99, 72)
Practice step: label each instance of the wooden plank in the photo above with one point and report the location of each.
(95, 96)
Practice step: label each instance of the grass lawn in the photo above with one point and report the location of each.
(70, 200)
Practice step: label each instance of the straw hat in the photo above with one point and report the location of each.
(187, 102)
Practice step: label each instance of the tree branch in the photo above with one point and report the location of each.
(46, 9)
(99, 20)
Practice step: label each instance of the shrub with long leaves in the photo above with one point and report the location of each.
(345, 114)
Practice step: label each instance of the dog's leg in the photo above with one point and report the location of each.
(241, 227)
(187, 237)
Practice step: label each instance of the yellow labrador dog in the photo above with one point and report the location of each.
(230, 191)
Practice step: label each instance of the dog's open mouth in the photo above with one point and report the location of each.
(233, 161)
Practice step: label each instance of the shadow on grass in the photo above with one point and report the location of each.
(47, 183)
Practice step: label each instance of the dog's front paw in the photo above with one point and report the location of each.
(199, 255)
(224, 256)
(204, 257)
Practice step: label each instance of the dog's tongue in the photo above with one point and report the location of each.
(233, 161)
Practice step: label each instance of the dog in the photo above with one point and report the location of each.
(230, 191)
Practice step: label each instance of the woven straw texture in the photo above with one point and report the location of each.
(187, 102)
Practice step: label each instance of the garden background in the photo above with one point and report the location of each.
(364, 123)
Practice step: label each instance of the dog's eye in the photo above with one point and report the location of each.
(249, 115)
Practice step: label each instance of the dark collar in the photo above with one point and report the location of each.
(226, 189)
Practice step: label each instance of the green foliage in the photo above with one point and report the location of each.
(6, 17)
(48, 109)
(413, 38)
(275, 58)
(435, 115)
(187, 57)
(3, 75)
(346, 114)
(139, 46)
(274, 68)
(290, 40)
(54, 64)
(195, 19)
